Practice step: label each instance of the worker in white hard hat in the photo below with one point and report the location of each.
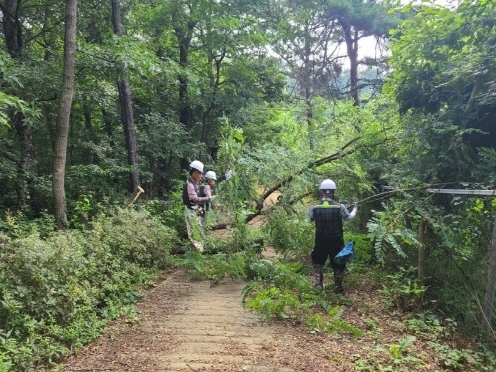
(210, 178)
(207, 190)
(194, 204)
(328, 216)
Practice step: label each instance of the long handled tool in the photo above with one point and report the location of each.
(137, 193)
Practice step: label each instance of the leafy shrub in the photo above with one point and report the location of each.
(57, 294)
(136, 237)
(214, 267)
(17, 225)
(171, 211)
(402, 289)
(363, 247)
(278, 303)
(292, 236)
(331, 323)
(282, 275)
(283, 291)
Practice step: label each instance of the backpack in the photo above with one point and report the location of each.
(201, 191)
(346, 254)
(186, 201)
(202, 194)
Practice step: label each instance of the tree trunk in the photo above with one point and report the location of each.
(129, 132)
(308, 88)
(351, 39)
(126, 107)
(488, 306)
(63, 115)
(12, 27)
(185, 113)
(184, 42)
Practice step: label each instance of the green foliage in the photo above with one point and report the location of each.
(169, 211)
(385, 231)
(136, 237)
(16, 225)
(363, 247)
(215, 267)
(333, 323)
(291, 235)
(58, 293)
(428, 325)
(277, 303)
(283, 291)
(402, 290)
(242, 234)
(460, 360)
(11, 103)
(485, 169)
(441, 336)
(82, 210)
(281, 275)
(398, 350)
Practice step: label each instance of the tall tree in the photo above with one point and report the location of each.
(308, 50)
(12, 27)
(63, 115)
(359, 19)
(126, 106)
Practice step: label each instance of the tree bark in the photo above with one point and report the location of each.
(184, 40)
(488, 306)
(351, 39)
(63, 115)
(184, 37)
(12, 27)
(126, 102)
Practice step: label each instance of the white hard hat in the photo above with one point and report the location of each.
(198, 165)
(211, 175)
(327, 185)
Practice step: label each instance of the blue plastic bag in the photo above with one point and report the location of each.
(346, 254)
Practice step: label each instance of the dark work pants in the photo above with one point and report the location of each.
(327, 247)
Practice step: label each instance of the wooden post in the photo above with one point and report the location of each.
(487, 307)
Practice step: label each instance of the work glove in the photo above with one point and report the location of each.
(228, 175)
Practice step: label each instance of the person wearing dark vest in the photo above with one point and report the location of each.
(194, 204)
(328, 216)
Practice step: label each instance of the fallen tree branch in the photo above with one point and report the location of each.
(381, 195)
(337, 155)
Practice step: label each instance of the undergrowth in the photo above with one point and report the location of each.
(58, 290)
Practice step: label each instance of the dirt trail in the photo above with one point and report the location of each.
(188, 326)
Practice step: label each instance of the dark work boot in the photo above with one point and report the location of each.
(319, 276)
(338, 281)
